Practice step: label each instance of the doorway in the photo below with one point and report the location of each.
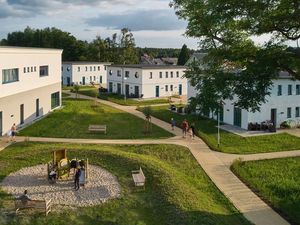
(83, 80)
(180, 89)
(157, 91)
(68, 81)
(237, 117)
(127, 90)
(136, 91)
(1, 125)
(273, 116)
(21, 113)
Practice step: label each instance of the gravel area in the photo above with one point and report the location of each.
(101, 186)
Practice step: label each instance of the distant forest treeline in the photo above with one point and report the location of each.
(119, 48)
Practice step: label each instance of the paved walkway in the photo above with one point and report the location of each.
(215, 164)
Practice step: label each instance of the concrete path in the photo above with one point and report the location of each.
(215, 164)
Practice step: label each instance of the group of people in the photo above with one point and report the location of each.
(186, 129)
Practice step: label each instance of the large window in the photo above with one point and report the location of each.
(10, 75)
(167, 74)
(160, 74)
(297, 111)
(127, 74)
(55, 100)
(298, 89)
(118, 73)
(150, 77)
(44, 71)
(289, 112)
(171, 74)
(279, 90)
(290, 89)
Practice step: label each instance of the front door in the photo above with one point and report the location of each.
(136, 91)
(100, 80)
(1, 126)
(221, 113)
(180, 89)
(110, 87)
(83, 80)
(68, 81)
(157, 91)
(119, 89)
(21, 113)
(127, 90)
(273, 116)
(237, 117)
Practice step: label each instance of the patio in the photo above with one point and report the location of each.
(245, 133)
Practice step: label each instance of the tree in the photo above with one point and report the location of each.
(184, 55)
(236, 67)
(76, 89)
(147, 111)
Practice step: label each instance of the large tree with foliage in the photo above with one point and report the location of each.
(184, 55)
(236, 67)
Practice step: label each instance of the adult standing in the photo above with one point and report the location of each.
(193, 130)
(173, 123)
(184, 127)
(76, 181)
(13, 132)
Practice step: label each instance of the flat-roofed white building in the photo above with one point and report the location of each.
(84, 73)
(30, 84)
(147, 81)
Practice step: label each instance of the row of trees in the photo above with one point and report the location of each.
(238, 68)
(119, 48)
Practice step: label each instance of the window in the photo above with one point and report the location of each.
(177, 73)
(297, 112)
(289, 112)
(166, 87)
(94, 78)
(150, 77)
(298, 89)
(167, 74)
(290, 89)
(118, 73)
(171, 87)
(44, 71)
(127, 74)
(28, 69)
(91, 68)
(10, 75)
(160, 74)
(86, 68)
(31, 69)
(35, 69)
(55, 100)
(94, 68)
(98, 68)
(24, 69)
(78, 69)
(104, 67)
(172, 74)
(37, 107)
(279, 90)
(91, 79)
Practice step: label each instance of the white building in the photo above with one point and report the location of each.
(30, 84)
(84, 73)
(149, 81)
(283, 104)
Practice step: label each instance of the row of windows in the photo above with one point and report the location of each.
(166, 74)
(12, 75)
(29, 69)
(289, 112)
(92, 68)
(136, 75)
(290, 89)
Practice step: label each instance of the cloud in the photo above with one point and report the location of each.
(158, 20)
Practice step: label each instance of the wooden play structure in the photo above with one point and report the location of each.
(61, 167)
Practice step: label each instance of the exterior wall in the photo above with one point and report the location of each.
(90, 71)
(30, 85)
(147, 85)
(191, 90)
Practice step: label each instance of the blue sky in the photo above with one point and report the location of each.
(153, 22)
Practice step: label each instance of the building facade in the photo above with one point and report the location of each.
(84, 73)
(147, 81)
(30, 85)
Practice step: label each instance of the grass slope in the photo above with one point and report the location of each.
(178, 192)
(73, 120)
(277, 181)
(231, 143)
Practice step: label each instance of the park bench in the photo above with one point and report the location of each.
(138, 177)
(97, 128)
(44, 205)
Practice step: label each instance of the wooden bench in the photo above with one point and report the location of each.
(138, 177)
(45, 205)
(97, 128)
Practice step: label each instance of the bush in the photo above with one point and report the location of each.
(285, 125)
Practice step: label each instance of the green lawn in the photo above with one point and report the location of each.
(231, 143)
(178, 192)
(277, 181)
(65, 95)
(93, 92)
(73, 119)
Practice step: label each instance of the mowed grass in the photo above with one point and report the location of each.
(277, 181)
(177, 191)
(73, 120)
(93, 92)
(230, 143)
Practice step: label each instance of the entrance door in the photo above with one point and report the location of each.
(100, 80)
(83, 80)
(110, 87)
(221, 113)
(136, 91)
(68, 81)
(273, 116)
(156, 91)
(119, 89)
(1, 126)
(21, 113)
(180, 89)
(127, 90)
(237, 117)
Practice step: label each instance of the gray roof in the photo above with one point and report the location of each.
(148, 66)
(85, 63)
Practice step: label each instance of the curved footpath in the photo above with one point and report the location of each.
(215, 164)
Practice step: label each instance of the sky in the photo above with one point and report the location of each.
(152, 22)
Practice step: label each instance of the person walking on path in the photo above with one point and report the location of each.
(13, 132)
(184, 127)
(76, 181)
(173, 123)
(193, 128)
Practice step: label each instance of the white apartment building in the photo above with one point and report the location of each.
(84, 73)
(147, 81)
(30, 84)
